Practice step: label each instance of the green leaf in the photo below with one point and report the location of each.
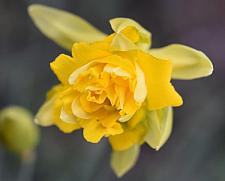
(118, 24)
(160, 126)
(123, 161)
(188, 63)
(63, 27)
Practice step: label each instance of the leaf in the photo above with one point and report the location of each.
(123, 161)
(160, 126)
(63, 27)
(188, 63)
(118, 24)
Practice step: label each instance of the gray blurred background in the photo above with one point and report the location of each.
(196, 148)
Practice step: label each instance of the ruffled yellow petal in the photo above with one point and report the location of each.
(157, 72)
(88, 106)
(110, 119)
(63, 66)
(130, 106)
(51, 111)
(93, 130)
(133, 133)
(115, 60)
(137, 118)
(65, 126)
(187, 62)
(127, 139)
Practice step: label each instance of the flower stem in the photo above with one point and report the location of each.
(1, 163)
(27, 167)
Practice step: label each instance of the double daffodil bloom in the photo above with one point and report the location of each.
(114, 86)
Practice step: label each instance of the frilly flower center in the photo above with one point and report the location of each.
(102, 90)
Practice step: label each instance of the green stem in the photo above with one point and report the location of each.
(1, 163)
(27, 167)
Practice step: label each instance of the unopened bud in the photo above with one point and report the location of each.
(18, 133)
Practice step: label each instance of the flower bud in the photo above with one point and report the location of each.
(18, 133)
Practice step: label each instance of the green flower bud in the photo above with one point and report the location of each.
(18, 133)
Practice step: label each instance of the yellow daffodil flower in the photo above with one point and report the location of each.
(114, 86)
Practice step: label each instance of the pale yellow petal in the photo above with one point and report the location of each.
(160, 126)
(116, 71)
(67, 118)
(121, 43)
(64, 126)
(78, 110)
(140, 91)
(74, 75)
(119, 24)
(44, 116)
(123, 161)
(63, 27)
(93, 131)
(187, 62)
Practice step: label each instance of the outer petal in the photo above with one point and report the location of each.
(44, 117)
(50, 112)
(119, 24)
(123, 161)
(188, 63)
(157, 75)
(63, 27)
(121, 43)
(63, 66)
(160, 126)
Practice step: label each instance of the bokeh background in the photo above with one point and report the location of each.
(196, 148)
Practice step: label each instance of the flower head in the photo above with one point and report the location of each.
(114, 86)
(104, 83)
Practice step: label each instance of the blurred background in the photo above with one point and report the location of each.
(196, 148)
